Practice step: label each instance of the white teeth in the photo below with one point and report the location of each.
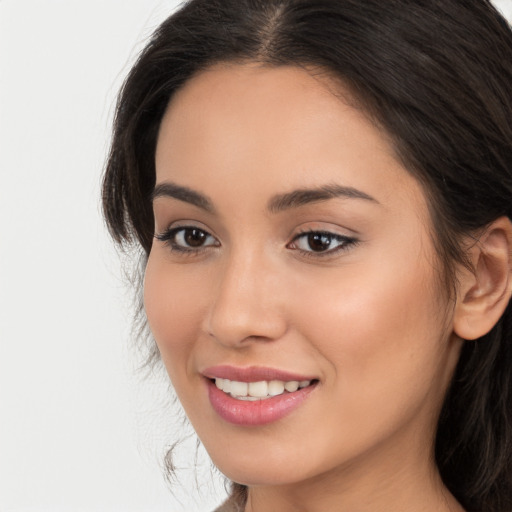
(291, 386)
(226, 385)
(239, 388)
(260, 390)
(275, 387)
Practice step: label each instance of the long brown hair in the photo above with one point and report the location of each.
(437, 76)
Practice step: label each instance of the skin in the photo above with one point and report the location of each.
(370, 320)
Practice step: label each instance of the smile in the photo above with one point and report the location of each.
(254, 396)
(261, 390)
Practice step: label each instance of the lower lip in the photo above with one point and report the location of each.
(258, 412)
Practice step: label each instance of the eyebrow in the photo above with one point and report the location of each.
(184, 194)
(276, 204)
(305, 196)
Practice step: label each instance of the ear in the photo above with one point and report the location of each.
(483, 294)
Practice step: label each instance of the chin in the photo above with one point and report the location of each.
(260, 477)
(266, 467)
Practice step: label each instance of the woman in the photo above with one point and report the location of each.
(323, 191)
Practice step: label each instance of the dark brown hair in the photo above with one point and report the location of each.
(436, 75)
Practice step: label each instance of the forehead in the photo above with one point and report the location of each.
(271, 129)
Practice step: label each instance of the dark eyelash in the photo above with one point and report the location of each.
(347, 243)
(167, 237)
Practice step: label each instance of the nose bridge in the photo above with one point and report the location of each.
(246, 303)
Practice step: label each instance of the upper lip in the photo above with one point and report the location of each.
(252, 374)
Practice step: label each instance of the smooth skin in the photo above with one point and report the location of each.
(361, 305)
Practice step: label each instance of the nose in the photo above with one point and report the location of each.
(247, 303)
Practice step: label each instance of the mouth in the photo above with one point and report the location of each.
(256, 396)
(260, 390)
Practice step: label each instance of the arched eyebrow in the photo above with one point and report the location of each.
(305, 196)
(276, 204)
(185, 194)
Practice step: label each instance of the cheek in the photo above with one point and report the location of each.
(172, 301)
(377, 325)
(385, 349)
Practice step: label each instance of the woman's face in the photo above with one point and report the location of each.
(294, 250)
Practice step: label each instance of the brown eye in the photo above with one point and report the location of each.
(194, 237)
(319, 242)
(187, 239)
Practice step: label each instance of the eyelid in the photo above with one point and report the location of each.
(342, 242)
(183, 223)
(345, 243)
(167, 236)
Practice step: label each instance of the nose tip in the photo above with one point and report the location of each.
(246, 308)
(235, 327)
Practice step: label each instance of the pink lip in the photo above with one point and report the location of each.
(252, 374)
(258, 412)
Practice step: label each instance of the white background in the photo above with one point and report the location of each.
(78, 430)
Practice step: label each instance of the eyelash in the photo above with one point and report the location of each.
(345, 242)
(169, 238)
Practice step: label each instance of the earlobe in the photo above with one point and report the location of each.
(484, 293)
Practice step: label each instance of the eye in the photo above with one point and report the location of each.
(321, 242)
(187, 238)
